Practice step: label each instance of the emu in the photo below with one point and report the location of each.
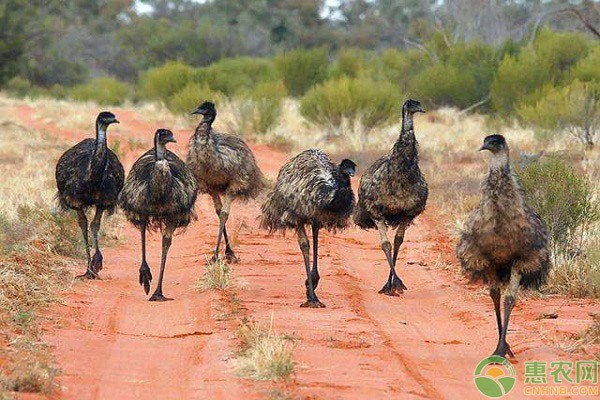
(393, 192)
(159, 194)
(504, 241)
(310, 190)
(88, 175)
(223, 165)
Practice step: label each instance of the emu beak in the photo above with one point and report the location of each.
(116, 121)
(196, 112)
(483, 147)
(172, 140)
(421, 109)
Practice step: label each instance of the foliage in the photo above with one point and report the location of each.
(301, 69)
(104, 91)
(444, 85)
(189, 97)
(560, 50)
(400, 67)
(586, 69)
(563, 198)
(160, 83)
(574, 108)
(267, 98)
(232, 75)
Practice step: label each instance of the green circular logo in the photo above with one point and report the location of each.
(495, 377)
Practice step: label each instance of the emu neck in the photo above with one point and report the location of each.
(100, 154)
(501, 186)
(205, 126)
(405, 153)
(500, 162)
(160, 150)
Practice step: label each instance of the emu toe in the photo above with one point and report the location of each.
(145, 277)
(230, 257)
(96, 264)
(89, 274)
(157, 296)
(314, 303)
(395, 288)
(503, 350)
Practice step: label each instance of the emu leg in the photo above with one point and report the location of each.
(510, 297)
(393, 280)
(166, 243)
(145, 274)
(389, 288)
(311, 298)
(495, 295)
(96, 264)
(83, 225)
(314, 272)
(222, 210)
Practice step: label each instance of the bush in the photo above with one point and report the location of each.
(301, 69)
(560, 50)
(586, 70)
(162, 82)
(233, 75)
(563, 198)
(374, 103)
(445, 85)
(267, 98)
(104, 91)
(18, 87)
(352, 62)
(574, 108)
(400, 67)
(518, 80)
(190, 96)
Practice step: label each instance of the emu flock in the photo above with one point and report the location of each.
(504, 242)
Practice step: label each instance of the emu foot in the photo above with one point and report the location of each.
(230, 257)
(158, 296)
(145, 277)
(214, 259)
(312, 303)
(502, 350)
(96, 264)
(395, 288)
(89, 274)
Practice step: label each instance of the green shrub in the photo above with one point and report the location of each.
(301, 69)
(519, 80)
(18, 87)
(574, 108)
(445, 85)
(586, 70)
(560, 50)
(352, 62)
(267, 98)
(233, 75)
(104, 91)
(400, 67)
(162, 82)
(563, 198)
(374, 103)
(189, 97)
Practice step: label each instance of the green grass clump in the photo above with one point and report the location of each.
(301, 69)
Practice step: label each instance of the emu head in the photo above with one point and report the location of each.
(412, 106)
(494, 143)
(164, 136)
(207, 109)
(105, 118)
(348, 167)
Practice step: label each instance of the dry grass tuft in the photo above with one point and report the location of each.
(218, 276)
(265, 355)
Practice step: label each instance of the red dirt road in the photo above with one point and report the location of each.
(111, 343)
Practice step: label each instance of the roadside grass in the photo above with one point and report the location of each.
(265, 355)
(217, 276)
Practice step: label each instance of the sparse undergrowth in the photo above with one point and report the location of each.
(265, 355)
(216, 277)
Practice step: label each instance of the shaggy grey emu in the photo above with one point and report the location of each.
(223, 165)
(90, 174)
(159, 193)
(504, 240)
(310, 189)
(393, 192)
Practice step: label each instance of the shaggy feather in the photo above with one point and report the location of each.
(503, 233)
(310, 188)
(393, 188)
(82, 183)
(159, 193)
(223, 164)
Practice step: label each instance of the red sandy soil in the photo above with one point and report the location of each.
(111, 343)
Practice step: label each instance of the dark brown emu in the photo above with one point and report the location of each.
(504, 241)
(310, 190)
(392, 193)
(159, 194)
(223, 165)
(88, 175)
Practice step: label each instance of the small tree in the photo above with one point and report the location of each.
(574, 108)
